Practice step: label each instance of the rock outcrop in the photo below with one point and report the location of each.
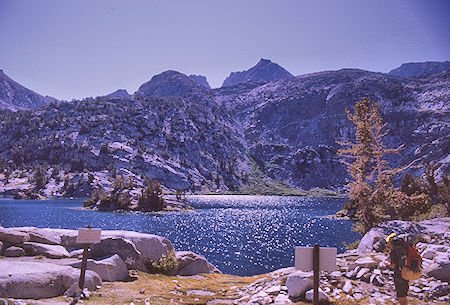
(265, 70)
(35, 280)
(412, 69)
(111, 269)
(190, 263)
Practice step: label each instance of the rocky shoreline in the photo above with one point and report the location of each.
(52, 256)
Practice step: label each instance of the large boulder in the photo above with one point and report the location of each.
(439, 267)
(45, 237)
(190, 263)
(14, 251)
(123, 247)
(298, 283)
(50, 251)
(424, 229)
(151, 247)
(36, 280)
(110, 269)
(13, 236)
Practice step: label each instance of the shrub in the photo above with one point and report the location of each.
(165, 265)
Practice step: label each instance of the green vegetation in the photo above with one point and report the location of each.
(151, 198)
(260, 184)
(166, 264)
(122, 198)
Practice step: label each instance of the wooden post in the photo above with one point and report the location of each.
(316, 270)
(83, 266)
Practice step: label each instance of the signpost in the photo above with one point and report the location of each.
(316, 259)
(86, 236)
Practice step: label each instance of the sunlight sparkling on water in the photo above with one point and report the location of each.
(242, 235)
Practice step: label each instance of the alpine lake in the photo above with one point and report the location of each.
(241, 235)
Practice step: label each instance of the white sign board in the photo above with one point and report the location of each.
(304, 258)
(88, 236)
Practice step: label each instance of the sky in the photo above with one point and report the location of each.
(76, 49)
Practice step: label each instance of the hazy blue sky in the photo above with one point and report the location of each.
(74, 49)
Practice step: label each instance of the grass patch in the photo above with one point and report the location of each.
(260, 184)
(163, 289)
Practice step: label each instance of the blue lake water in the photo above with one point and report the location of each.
(243, 235)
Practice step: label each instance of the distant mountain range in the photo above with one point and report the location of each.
(420, 68)
(264, 126)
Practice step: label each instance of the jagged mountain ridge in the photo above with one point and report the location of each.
(209, 139)
(412, 69)
(264, 70)
(14, 96)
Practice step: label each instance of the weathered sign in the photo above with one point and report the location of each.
(304, 258)
(88, 236)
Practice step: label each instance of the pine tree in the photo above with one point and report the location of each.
(372, 192)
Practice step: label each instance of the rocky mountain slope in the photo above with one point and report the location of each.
(291, 126)
(191, 137)
(14, 96)
(420, 68)
(265, 70)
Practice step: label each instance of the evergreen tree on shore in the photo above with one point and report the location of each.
(372, 193)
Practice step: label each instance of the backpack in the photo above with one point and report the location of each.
(412, 270)
(411, 261)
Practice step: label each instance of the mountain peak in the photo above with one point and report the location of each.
(264, 70)
(14, 96)
(169, 83)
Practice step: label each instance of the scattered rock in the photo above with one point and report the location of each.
(348, 287)
(323, 297)
(260, 298)
(274, 290)
(200, 292)
(298, 283)
(50, 251)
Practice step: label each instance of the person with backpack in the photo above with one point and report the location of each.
(406, 262)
